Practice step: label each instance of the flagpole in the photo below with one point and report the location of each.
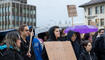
(72, 21)
(29, 49)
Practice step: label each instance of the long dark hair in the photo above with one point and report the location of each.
(86, 36)
(51, 32)
(78, 37)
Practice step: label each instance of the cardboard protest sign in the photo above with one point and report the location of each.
(72, 10)
(60, 50)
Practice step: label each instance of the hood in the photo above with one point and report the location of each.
(69, 35)
(51, 33)
(30, 29)
(42, 35)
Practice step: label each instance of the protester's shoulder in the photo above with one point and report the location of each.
(49, 39)
(101, 37)
(11, 54)
(93, 53)
(83, 54)
(35, 40)
(6, 52)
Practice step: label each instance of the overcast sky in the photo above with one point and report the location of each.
(51, 12)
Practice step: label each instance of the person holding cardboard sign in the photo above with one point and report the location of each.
(54, 34)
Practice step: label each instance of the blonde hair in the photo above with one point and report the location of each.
(11, 38)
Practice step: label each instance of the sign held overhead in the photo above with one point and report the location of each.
(72, 10)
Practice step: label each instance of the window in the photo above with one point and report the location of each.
(17, 18)
(97, 10)
(102, 9)
(33, 11)
(23, 18)
(0, 10)
(85, 9)
(20, 18)
(3, 10)
(97, 22)
(31, 19)
(24, 11)
(13, 17)
(6, 9)
(28, 11)
(102, 22)
(89, 11)
(16, 10)
(0, 18)
(10, 9)
(27, 19)
(6, 17)
(89, 22)
(9, 17)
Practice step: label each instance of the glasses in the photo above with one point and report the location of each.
(26, 30)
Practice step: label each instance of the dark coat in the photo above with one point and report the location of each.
(10, 54)
(75, 44)
(24, 49)
(86, 56)
(100, 47)
(44, 54)
(59, 39)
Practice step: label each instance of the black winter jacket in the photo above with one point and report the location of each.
(100, 48)
(75, 44)
(86, 56)
(24, 50)
(10, 54)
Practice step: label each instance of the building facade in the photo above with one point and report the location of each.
(95, 12)
(21, 1)
(13, 14)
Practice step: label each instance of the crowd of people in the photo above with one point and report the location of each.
(24, 45)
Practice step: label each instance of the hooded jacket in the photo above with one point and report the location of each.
(52, 35)
(36, 45)
(100, 47)
(9, 53)
(37, 48)
(75, 44)
(86, 56)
